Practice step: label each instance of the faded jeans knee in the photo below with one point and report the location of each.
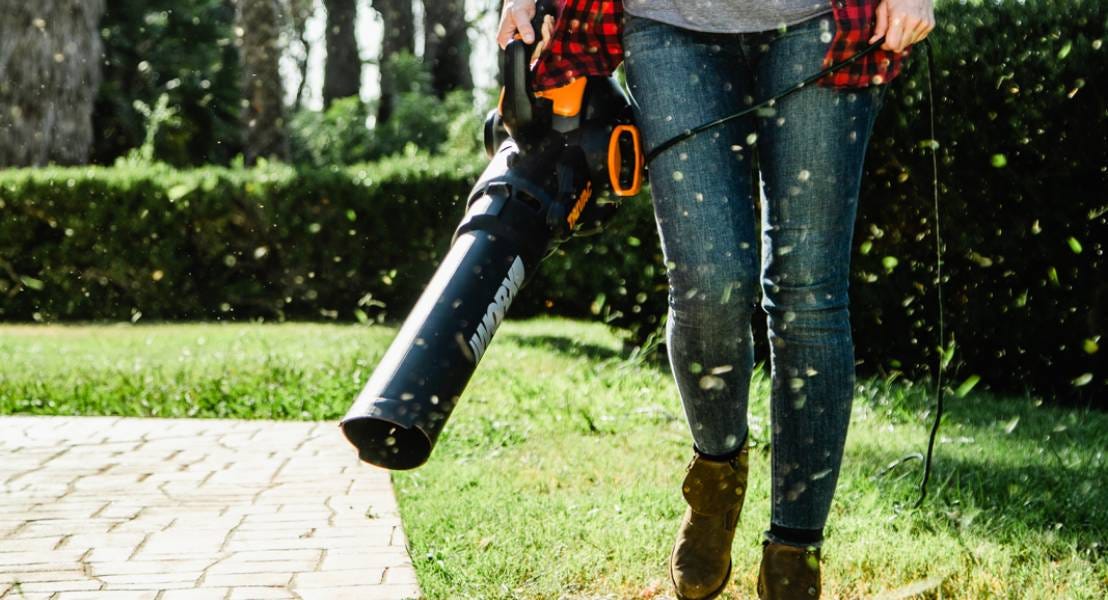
(711, 352)
(809, 312)
(711, 295)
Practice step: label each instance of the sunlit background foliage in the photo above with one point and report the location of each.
(183, 51)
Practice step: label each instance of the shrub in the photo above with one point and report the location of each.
(273, 242)
(345, 134)
(1020, 126)
(339, 135)
(183, 50)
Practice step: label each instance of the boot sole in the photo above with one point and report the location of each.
(714, 594)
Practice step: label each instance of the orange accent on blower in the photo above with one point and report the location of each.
(615, 160)
(567, 99)
(582, 200)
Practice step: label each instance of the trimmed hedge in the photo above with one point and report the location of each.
(273, 242)
(1020, 127)
(1020, 121)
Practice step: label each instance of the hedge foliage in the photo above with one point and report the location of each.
(273, 242)
(1020, 109)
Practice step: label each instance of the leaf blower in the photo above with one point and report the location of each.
(561, 160)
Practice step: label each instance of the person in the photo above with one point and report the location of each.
(689, 62)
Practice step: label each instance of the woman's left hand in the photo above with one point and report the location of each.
(903, 23)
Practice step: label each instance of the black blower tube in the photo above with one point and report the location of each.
(398, 416)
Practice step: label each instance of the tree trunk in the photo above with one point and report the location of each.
(343, 74)
(399, 36)
(50, 54)
(299, 13)
(264, 115)
(447, 45)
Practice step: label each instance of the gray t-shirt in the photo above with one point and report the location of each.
(728, 16)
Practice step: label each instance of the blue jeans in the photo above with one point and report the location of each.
(809, 149)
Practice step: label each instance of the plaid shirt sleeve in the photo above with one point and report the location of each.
(855, 20)
(586, 41)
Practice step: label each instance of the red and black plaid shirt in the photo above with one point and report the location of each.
(586, 41)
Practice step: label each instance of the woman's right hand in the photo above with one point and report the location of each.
(516, 18)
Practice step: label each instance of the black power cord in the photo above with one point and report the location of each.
(932, 144)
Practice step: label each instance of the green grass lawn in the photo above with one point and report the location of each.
(558, 475)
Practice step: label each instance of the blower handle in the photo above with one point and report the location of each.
(525, 117)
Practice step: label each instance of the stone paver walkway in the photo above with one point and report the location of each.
(122, 509)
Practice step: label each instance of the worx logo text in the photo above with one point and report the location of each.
(507, 291)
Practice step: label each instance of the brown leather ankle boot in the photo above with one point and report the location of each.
(789, 572)
(700, 563)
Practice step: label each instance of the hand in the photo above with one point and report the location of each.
(903, 23)
(516, 18)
